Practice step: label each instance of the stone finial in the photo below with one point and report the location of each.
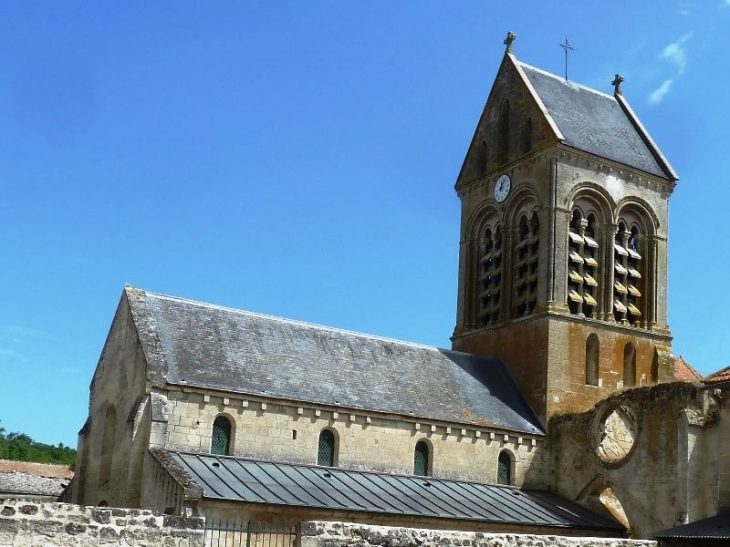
(617, 84)
(511, 37)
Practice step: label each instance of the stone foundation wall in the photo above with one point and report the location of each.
(26, 523)
(335, 534)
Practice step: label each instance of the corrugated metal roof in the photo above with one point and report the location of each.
(717, 527)
(596, 123)
(275, 483)
(195, 344)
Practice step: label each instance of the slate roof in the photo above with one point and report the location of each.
(334, 489)
(196, 344)
(597, 123)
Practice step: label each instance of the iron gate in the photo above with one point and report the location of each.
(220, 533)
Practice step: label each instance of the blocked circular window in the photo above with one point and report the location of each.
(615, 434)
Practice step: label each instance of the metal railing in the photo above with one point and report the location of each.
(220, 533)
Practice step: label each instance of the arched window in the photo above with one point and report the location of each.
(420, 459)
(504, 132)
(482, 158)
(221, 440)
(629, 365)
(326, 449)
(627, 275)
(582, 265)
(655, 367)
(592, 360)
(107, 445)
(504, 468)
(525, 269)
(490, 278)
(526, 136)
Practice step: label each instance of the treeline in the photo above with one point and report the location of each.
(20, 447)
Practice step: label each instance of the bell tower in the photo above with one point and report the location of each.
(563, 247)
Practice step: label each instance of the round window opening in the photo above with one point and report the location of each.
(616, 434)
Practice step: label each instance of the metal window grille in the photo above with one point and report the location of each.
(504, 463)
(221, 436)
(219, 533)
(326, 450)
(420, 459)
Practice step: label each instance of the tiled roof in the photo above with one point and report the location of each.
(684, 372)
(274, 483)
(37, 469)
(718, 377)
(33, 479)
(597, 123)
(195, 344)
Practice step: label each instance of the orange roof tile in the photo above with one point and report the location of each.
(717, 377)
(37, 469)
(684, 372)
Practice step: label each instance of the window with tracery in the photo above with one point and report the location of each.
(627, 275)
(490, 277)
(525, 266)
(582, 265)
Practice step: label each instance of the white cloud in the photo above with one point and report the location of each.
(676, 54)
(659, 93)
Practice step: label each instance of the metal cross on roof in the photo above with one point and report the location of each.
(566, 46)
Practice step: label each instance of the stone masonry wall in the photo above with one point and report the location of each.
(25, 524)
(335, 534)
(648, 456)
(274, 430)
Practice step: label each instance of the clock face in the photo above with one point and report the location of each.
(501, 188)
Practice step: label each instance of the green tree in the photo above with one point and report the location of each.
(20, 447)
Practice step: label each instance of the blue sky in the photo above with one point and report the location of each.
(298, 159)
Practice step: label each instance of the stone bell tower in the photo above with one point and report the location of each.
(563, 248)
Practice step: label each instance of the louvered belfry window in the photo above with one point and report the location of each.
(504, 471)
(582, 266)
(420, 459)
(221, 442)
(326, 450)
(490, 278)
(627, 276)
(525, 268)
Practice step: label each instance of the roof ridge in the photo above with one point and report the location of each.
(280, 319)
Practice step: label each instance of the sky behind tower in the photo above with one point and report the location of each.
(298, 159)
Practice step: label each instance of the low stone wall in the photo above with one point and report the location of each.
(337, 534)
(27, 523)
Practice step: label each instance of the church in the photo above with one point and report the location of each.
(557, 410)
